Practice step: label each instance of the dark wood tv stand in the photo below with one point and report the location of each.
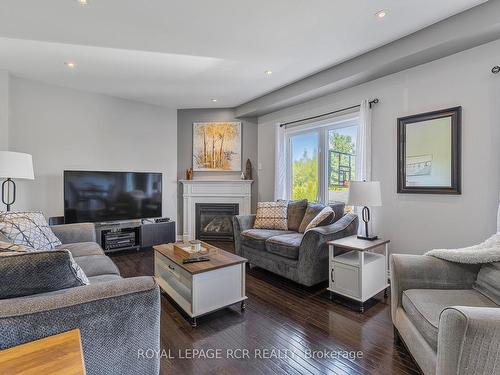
(134, 235)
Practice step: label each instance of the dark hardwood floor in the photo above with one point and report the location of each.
(284, 323)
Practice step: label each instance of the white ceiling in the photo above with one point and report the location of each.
(181, 54)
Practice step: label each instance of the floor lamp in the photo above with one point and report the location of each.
(14, 165)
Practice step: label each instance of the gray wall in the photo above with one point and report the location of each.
(4, 110)
(185, 119)
(69, 129)
(416, 223)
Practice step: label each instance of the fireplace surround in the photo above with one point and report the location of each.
(237, 192)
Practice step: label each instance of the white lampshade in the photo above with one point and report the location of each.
(16, 165)
(364, 193)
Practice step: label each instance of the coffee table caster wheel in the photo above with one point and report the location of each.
(243, 305)
(194, 323)
(385, 293)
(362, 308)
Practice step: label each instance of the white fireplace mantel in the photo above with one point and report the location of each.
(213, 191)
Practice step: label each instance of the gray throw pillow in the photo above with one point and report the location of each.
(313, 209)
(28, 229)
(338, 209)
(488, 281)
(26, 273)
(296, 212)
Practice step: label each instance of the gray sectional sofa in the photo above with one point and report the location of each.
(447, 314)
(301, 257)
(117, 317)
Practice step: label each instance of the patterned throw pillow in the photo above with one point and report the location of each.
(7, 248)
(271, 215)
(28, 229)
(325, 215)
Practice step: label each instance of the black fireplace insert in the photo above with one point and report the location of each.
(214, 221)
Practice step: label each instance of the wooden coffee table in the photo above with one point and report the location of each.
(56, 355)
(200, 288)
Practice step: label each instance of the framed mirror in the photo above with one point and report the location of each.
(429, 155)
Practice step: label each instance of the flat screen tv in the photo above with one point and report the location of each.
(91, 196)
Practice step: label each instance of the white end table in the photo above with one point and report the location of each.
(360, 273)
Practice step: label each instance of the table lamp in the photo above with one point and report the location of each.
(14, 165)
(363, 193)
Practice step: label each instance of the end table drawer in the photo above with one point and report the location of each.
(346, 279)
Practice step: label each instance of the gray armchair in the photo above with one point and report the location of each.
(117, 317)
(301, 257)
(446, 323)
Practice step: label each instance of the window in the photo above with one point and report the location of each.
(304, 152)
(322, 160)
(341, 161)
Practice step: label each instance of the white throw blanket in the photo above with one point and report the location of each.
(486, 252)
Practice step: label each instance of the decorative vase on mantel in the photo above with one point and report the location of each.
(248, 171)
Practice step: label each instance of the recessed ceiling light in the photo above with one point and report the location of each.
(70, 64)
(268, 72)
(213, 100)
(382, 13)
(83, 2)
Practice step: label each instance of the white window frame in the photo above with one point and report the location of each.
(321, 128)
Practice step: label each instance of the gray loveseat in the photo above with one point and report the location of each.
(117, 317)
(447, 314)
(301, 257)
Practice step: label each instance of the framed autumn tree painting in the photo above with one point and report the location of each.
(217, 146)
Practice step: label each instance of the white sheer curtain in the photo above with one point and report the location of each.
(364, 143)
(364, 152)
(498, 219)
(280, 166)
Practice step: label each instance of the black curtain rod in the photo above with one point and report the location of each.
(372, 102)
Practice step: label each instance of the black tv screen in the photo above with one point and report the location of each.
(111, 196)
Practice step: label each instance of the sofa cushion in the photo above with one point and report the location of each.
(271, 215)
(83, 248)
(28, 229)
(296, 212)
(256, 238)
(27, 273)
(95, 265)
(488, 281)
(313, 209)
(424, 306)
(285, 245)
